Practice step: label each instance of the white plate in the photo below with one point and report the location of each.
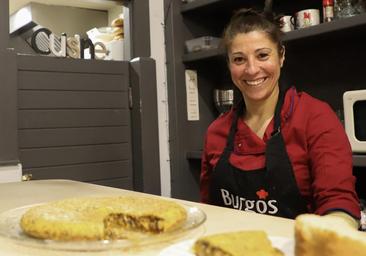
(286, 245)
(10, 229)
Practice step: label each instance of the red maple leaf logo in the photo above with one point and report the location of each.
(262, 194)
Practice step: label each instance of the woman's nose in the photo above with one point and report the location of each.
(252, 67)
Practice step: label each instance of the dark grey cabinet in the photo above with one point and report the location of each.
(323, 60)
(74, 119)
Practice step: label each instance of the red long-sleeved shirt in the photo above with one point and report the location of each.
(317, 146)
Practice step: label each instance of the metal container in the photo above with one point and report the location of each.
(223, 99)
(202, 43)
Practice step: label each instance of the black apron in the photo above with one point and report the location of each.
(271, 190)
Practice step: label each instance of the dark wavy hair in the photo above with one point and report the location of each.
(249, 20)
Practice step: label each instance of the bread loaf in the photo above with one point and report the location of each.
(327, 236)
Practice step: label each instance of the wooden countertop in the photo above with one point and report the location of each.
(219, 219)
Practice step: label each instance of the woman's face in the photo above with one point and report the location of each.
(255, 65)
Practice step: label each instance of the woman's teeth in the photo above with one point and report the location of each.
(255, 82)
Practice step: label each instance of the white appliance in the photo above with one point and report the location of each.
(354, 105)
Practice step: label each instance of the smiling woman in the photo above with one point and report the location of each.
(279, 149)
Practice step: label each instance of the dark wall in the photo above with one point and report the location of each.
(8, 108)
(137, 25)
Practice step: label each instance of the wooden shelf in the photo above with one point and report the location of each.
(198, 4)
(227, 6)
(358, 159)
(347, 24)
(217, 9)
(202, 55)
(328, 27)
(194, 155)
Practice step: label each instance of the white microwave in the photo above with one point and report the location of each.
(354, 106)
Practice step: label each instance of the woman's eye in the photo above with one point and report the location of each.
(238, 60)
(263, 56)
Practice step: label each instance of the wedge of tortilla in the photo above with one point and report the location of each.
(240, 243)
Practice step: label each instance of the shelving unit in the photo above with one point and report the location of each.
(324, 60)
(352, 25)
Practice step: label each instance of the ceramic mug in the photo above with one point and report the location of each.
(287, 23)
(307, 18)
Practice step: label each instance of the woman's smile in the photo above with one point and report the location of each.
(256, 82)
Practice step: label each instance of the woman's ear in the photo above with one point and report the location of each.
(282, 55)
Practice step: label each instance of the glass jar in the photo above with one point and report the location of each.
(361, 6)
(346, 8)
